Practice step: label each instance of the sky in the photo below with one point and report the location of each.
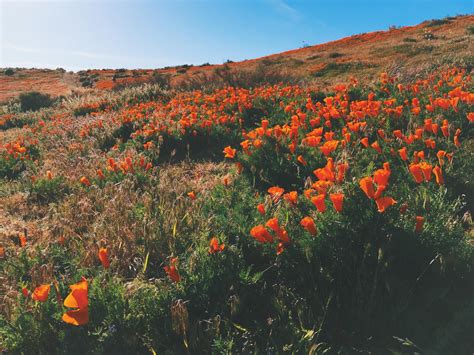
(86, 34)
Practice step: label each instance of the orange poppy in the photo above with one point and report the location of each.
(321, 186)
(318, 201)
(276, 193)
(308, 224)
(426, 169)
(291, 197)
(365, 142)
(22, 240)
(261, 209)
(384, 202)
(100, 174)
(329, 147)
(192, 195)
(229, 152)
(104, 257)
(337, 200)
(78, 299)
(376, 146)
(2, 252)
(214, 246)
(25, 292)
(440, 155)
(260, 234)
(41, 293)
(403, 153)
(439, 175)
(417, 173)
(381, 177)
(419, 223)
(273, 224)
(85, 181)
(172, 270)
(367, 185)
(301, 160)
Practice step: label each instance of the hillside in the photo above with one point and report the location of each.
(322, 207)
(362, 55)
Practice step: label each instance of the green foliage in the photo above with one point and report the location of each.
(33, 101)
(44, 190)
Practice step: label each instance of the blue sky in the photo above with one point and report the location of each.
(83, 34)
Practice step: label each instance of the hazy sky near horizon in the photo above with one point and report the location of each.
(76, 35)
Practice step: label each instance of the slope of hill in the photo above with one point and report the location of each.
(364, 55)
(273, 218)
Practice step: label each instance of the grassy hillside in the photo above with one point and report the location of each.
(262, 217)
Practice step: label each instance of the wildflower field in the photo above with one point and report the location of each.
(270, 219)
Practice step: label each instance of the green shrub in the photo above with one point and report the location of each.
(44, 191)
(33, 101)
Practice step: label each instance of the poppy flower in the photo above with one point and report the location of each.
(282, 234)
(367, 185)
(291, 197)
(272, 223)
(308, 224)
(337, 200)
(172, 270)
(376, 146)
(381, 177)
(318, 201)
(100, 174)
(321, 186)
(301, 160)
(417, 173)
(25, 292)
(403, 153)
(49, 174)
(438, 175)
(2, 252)
(445, 130)
(420, 220)
(41, 293)
(341, 171)
(328, 147)
(440, 155)
(104, 257)
(192, 195)
(470, 117)
(260, 234)
(78, 299)
(22, 240)
(229, 152)
(384, 202)
(85, 181)
(261, 209)
(214, 246)
(276, 193)
(426, 169)
(365, 142)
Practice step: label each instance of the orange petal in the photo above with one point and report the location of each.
(77, 317)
